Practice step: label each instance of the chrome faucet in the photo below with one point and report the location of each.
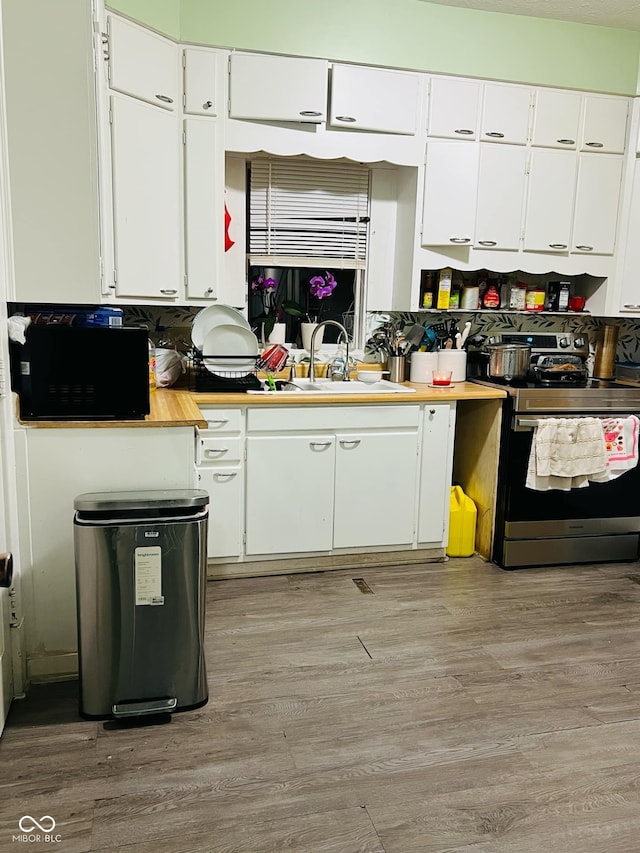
(312, 348)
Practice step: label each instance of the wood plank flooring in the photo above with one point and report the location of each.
(457, 708)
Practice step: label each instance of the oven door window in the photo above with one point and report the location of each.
(615, 499)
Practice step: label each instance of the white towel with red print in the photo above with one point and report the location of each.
(621, 446)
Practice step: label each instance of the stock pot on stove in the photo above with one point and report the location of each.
(508, 361)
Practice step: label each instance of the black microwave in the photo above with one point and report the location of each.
(81, 373)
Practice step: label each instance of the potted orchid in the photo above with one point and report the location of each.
(266, 289)
(319, 290)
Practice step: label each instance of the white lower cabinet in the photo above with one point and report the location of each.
(290, 482)
(435, 473)
(220, 471)
(321, 479)
(376, 476)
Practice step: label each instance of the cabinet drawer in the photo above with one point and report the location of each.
(220, 448)
(223, 420)
(327, 418)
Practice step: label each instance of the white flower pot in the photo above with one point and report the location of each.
(277, 334)
(307, 331)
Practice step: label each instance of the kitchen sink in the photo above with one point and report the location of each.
(326, 386)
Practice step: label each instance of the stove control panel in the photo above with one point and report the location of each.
(546, 342)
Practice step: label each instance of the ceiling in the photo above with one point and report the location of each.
(624, 14)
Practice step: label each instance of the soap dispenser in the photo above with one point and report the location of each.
(338, 367)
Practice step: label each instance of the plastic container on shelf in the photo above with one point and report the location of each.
(105, 316)
(462, 524)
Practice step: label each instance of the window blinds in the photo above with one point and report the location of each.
(308, 213)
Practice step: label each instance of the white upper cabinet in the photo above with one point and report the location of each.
(146, 200)
(505, 113)
(143, 64)
(374, 99)
(454, 108)
(203, 207)
(203, 82)
(450, 188)
(549, 208)
(596, 207)
(556, 119)
(277, 88)
(604, 126)
(501, 185)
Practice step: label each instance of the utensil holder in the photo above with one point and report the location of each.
(605, 357)
(454, 360)
(396, 365)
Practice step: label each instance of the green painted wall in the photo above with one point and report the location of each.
(161, 15)
(410, 34)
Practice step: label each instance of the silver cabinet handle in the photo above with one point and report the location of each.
(345, 118)
(632, 307)
(494, 134)
(487, 243)
(319, 444)
(349, 444)
(207, 105)
(218, 451)
(585, 248)
(557, 245)
(218, 422)
(594, 144)
(566, 141)
(310, 113)
(165, 99)
(168, 292)
(208, 291)
(432, 411)
(459, 239)
(228, 476)
(463, 131)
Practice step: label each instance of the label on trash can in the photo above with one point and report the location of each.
(148, 573)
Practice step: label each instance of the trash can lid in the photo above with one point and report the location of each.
(153, 499)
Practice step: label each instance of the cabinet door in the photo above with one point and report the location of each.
(505, 114)
(604, 126)
(630, 293)
(549, 209)
(146, 199)
(226, 510)
(277, 88)
(202, 82)
(450, 187)
(374, 99)
(501, 184)
(596, 208)
(454, 108)
(142, 64)
(289, 493)
(556, 116)
(435, 467)
(375, 496)
(203, 207)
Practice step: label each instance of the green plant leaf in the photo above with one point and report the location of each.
(293, 308)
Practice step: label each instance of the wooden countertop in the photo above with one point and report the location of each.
(423, 393)
(180, 407)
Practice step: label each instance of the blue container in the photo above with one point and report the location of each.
(105, 316)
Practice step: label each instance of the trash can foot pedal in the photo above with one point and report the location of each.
(136, 709)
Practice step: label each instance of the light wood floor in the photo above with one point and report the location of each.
(456, 708)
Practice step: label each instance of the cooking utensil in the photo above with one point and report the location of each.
(465, 333)
(274, 358)
(508, 361)
(458, 340)
(413, 337)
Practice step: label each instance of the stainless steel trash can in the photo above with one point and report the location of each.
(140, 583)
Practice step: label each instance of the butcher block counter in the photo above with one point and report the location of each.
(180, 407)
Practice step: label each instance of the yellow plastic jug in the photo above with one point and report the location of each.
(462, 524)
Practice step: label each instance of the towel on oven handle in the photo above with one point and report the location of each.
(621, 446)
(566, 453)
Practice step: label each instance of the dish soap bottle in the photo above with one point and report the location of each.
(338, 366)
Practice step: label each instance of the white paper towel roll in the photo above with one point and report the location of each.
(422, 366)
(454, 360)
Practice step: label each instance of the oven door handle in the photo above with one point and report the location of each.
(526, 424)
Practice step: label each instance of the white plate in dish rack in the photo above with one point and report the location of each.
(211, 316)
(237, 345)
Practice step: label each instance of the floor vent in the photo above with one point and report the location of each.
(363, 586)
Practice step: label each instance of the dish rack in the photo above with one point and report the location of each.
(231, 378)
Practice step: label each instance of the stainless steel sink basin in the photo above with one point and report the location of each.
(326, 386)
